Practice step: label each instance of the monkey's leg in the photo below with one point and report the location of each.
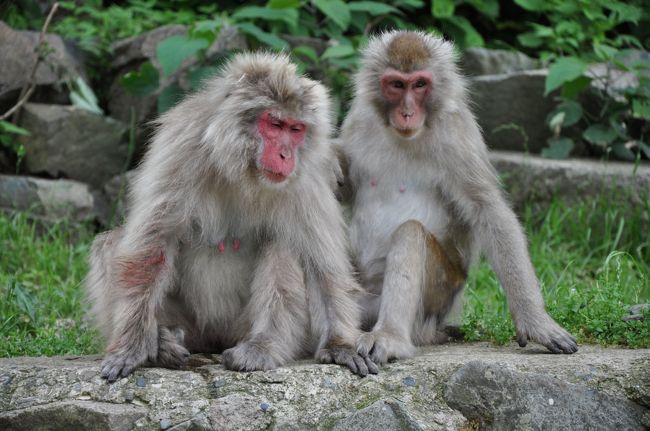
(277, 312)
(400, 297)
(141, 281)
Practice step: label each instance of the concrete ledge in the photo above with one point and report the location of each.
(454, 386)
(533, 178)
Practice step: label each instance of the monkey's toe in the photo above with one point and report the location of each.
(249, 356)
(357, 363)
(117, 365)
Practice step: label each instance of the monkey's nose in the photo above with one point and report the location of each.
(285, 154)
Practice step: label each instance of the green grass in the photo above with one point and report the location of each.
(592, 260)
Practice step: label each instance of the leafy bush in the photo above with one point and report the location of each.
(613, 114)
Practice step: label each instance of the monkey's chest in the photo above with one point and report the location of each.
(382, 205)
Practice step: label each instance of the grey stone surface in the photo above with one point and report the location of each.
(485, 61)
(70, 415)
(306, 396)
(48, 199)
(19, 56)
(115, 193)
(532, 178)
(74, 143)
(499, 398)
(511, 109)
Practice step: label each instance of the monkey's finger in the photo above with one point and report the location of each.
(522, 340)
(553, 346)
(345, 358)
(361, 365)
(372, 367)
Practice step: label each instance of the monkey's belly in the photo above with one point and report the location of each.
(378, 214)
(216, 284)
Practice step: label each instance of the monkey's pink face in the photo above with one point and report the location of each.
(406, 95)
(281, 138)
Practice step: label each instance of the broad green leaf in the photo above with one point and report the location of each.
(8, 127)
(282, 4)
(571, 89)
(599, 134)
(572, 112)
(200, 74)
(621, 151)
(489, 8)
(372, 7)
(533, 5)
(264, 37)
(604, 51)
(641, 109)
(336, 10)
(556, 121)
(442, 8)
(416, 4)
(306, 51)
(624, 12)
(210, 26)
(468, 34)
(289, 16)
(169, 97)
(338, 51)
(141, 82)
(558, 148)
(172, 51)
(564, 69)
(530, 40)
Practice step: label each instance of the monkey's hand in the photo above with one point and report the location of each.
(357, 363)
(171, 351)
(250, 356)
(381, 346)
(545, 331)
(122, 362)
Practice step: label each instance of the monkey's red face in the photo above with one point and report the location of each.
(281, 138)
(406, 95)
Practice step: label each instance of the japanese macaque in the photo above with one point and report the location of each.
(427, 202)
(233, 239)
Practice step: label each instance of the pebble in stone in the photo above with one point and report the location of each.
(265, 407)
(409, 381)
(165, 423)
(328, 383)
(140, 382)
(219, 383)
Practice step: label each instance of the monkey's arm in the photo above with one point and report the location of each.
(502, 240)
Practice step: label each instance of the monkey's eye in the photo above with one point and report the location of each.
(276, 124)
(397, 84)
(420, 83)
(297, 129)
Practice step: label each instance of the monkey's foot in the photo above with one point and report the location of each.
(249, 356)
(545, 331)
(171, 352)
(381, 346)
(121, 363)
(357, 363)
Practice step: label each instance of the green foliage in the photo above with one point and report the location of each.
(82, 96)
(580, 33)
(9, 139)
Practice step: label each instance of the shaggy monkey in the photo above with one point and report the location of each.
(427, 202)
(232, 240)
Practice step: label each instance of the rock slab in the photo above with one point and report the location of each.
(446, 387)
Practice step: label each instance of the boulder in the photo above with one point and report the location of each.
(529, 178)
(116, 194)
(511, 109)
(74, 143)
(485, 61)
(49, 199)
(19, 55)
(444, 387)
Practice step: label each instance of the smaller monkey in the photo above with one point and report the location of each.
(233, 240)
(427, 202)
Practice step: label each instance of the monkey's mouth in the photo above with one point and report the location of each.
(274, 177)
(406, 133)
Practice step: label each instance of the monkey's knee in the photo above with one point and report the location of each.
(410, 230)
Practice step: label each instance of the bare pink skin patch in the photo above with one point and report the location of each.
(142, 272)
(221, 247)
(281, 138)
(406, 94)
(236, 244)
